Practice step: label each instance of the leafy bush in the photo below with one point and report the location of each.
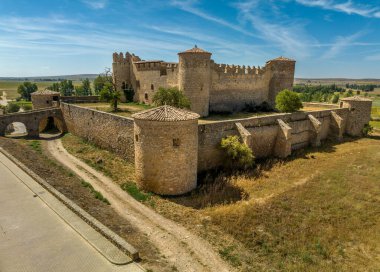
(12, 107)
(367, 130)
(288, 101)
(238, 154)
(26, 107)
(172, 97)
(335, 98)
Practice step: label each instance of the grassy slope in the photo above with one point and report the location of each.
(324, 216)
(317, 211)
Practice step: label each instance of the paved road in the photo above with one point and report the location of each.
(34, 238)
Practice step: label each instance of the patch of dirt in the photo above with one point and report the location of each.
(183, 250)
(70, 185)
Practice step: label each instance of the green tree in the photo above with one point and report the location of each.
(79, 91)
(99, 83)
(55, 87)
(172, 97)
(349, 93)
(109, 92)
(288, 101)
(66, 88)
(335, 98)
(238, 154)
(86, 85)
(25, 89)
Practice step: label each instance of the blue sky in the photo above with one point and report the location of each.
(328, 38)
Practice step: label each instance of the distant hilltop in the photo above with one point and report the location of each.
(51, 78)
(338, 80)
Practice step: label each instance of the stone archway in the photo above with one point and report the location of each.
(16, 130)
(50, 126)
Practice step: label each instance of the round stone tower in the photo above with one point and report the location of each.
(166, 150)
(359, 114)
(194, 78)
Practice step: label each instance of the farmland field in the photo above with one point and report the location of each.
(10, 87)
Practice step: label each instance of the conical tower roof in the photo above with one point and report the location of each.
(166, 114)
(196, 50)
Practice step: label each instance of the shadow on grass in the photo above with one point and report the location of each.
(216, 187)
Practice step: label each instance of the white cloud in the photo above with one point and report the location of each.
(96, 4)
(189, 6)
(348, 7)
(342, 43)
(288, 35)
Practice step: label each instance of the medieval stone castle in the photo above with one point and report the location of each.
(168, 145)
(211, 87)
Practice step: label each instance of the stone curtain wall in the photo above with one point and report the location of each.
(80, 99)
(109, 131)
(265, 132)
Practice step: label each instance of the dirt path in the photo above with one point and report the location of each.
(186, 251)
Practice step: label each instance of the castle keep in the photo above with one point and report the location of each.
(211, 87)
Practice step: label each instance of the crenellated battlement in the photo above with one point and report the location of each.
(148, 65)
(237, 70)
(121, 58)
(210, 86)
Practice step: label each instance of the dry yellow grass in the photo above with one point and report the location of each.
(319, 210)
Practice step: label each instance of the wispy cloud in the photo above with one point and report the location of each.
(288, 35)
(189, 6)
(96, 4)
(342, 43)
(348, 7)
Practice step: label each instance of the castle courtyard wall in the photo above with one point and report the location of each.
(153, 78)
(265, 131)
(231, 92)
(109, 131)
(116, 133)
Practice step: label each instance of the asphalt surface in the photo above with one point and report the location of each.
(35, 238)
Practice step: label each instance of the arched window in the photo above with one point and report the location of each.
(146, 96)
(152, 87)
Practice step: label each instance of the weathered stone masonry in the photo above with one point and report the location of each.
(33, 120)
(166, 169)
(211, 87)
(166, 150)
(169, 147)
(106, 130)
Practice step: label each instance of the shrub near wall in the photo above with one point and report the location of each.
(288, 101)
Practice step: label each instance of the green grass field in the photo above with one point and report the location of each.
(10, 87)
